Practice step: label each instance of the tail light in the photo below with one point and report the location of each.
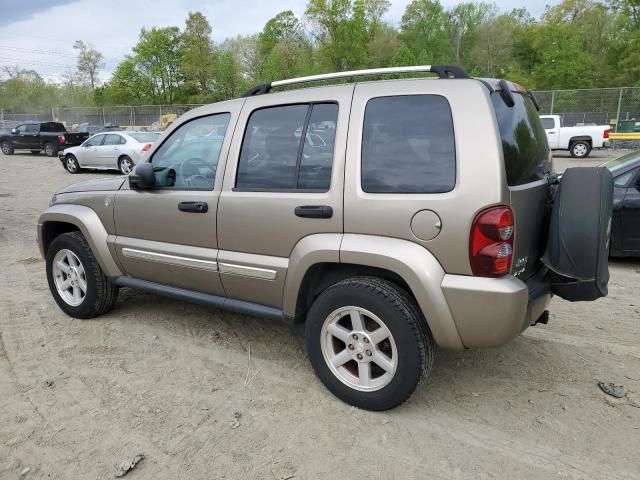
(491, 242)
(606, 133)
(61, 139)
(146, 147)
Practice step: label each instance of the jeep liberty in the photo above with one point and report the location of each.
(387, 216)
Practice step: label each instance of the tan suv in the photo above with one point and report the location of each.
(387, 216)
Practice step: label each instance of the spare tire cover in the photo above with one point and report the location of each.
(580, 227)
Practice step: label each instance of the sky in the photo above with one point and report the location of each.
(39, 34)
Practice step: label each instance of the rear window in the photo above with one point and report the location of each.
(408, 145)
(144, 137)
(52, 127)
(524, 141)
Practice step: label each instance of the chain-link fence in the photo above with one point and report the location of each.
(619, 107)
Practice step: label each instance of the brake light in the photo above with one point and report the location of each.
(146, 147)
(61, 139)
(606, 133)
(491, 242)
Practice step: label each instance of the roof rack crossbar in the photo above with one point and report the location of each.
(443, 71)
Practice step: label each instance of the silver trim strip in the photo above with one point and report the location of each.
(255, 272)
(170, 259)
(353, 73)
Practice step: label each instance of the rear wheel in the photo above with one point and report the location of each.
(125, 164)
(50, 149)
(76, 281)
(71, 164)
(368, 342)
(7, 149)
(580, 149)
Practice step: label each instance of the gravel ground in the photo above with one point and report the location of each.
(173, 382)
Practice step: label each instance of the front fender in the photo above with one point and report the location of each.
(88, 222)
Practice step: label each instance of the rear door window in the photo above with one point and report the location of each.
(112, 140)
(408, 145)
(548, 123)
(524, 141)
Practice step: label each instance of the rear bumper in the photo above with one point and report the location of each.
(488, 312)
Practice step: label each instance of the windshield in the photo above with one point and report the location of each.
(144, 137)
(621, 163)
(524, 141)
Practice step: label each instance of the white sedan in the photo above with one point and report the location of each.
(109, 151)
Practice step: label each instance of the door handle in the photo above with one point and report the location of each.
(193, 207)
(314, 211)
(551, 133)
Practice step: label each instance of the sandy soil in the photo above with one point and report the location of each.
(170, 380)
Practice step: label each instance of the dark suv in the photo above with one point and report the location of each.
(39, 136)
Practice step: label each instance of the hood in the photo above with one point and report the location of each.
(99, 185)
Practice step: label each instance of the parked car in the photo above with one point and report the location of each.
(108, 151)
(579, 140)
(38, 136)
(625, 228)
(415, 213)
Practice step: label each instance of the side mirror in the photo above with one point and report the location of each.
(14, 131)
(142, 177)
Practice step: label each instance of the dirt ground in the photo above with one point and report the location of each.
(171, 381)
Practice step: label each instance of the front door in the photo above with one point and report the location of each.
(552, 130)
(168, 234)
(284, 181)
(630, 217)
(87, 154)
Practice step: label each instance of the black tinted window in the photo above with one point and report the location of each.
(548, 123)
(524, 142)
(408, 145)
(273, 155)
(32, 128)
(52, 127)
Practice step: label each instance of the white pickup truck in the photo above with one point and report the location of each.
(579, 140)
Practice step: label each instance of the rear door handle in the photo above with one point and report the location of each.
(314, 211)
(193, 207)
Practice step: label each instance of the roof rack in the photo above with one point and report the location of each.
(443, 71)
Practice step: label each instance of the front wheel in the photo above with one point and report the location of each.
(75, 278)
(580, 149)
(368, 342)
(7, 149)
(125, 164)
(50, 149)
(71, 164)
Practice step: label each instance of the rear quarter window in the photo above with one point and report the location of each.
(408, 145)
(524, 141)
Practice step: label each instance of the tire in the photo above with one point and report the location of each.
(125, 165)
(7, 149)
(71, 164)
(580, 149)
(35, 152)
(50, 149)
(409, 348)
(100, 294)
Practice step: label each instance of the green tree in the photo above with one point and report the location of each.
(158, 56)
(424, 29)
(198, 56)
(90, 61)
(462, 23)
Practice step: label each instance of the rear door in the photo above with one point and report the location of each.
(110, 150)
(283, 182)
(527, 161)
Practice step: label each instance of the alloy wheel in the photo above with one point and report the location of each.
(359, 349)
(69, 277)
